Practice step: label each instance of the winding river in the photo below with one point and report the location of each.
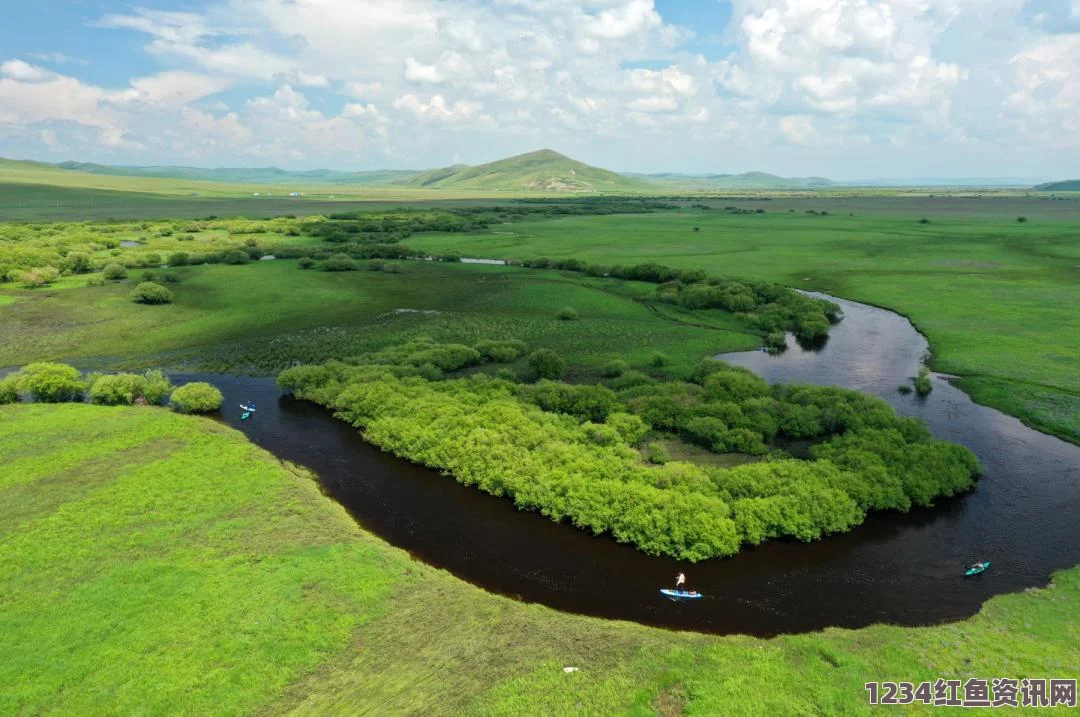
(897, 568)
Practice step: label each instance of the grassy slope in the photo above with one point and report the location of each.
(220, 317)
(153, 563)
(995, 297)
(537, 171)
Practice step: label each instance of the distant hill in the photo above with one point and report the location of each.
(747, 180)
(542, 171)
(257, 175)
(1069, 185)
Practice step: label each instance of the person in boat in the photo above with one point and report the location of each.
(978, 566)
(680, 579)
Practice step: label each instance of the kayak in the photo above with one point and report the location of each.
(688, 595)
(249, 409)
(245, 416)
(975, 571)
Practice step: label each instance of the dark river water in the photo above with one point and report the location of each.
(1024, 516)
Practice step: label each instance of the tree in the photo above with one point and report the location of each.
(197, 397)
(150, 293)
(545, 363)
(51, 382)
(114, 272)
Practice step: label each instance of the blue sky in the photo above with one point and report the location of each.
(841, 88)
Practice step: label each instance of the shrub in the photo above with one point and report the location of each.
(9, 390)
(39, 277)
(923, 384)
(903, 389)
(567, 313)
(196, 397)
(51, 382)
(656, 453)
(339, 262)
(77, 262)
(235, 257)
(119, 389)
(506, 374)
(501, 351)
(1021, 219)
(615, 368)
(924, 220)
(306, 262)
(114, 272)
(376, 265)
(630, 427)
(150, 293)
(156, 387)
(545, 363)
(180, 258)
(658, 359)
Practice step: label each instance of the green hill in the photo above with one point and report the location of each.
(747, 180)
(1069, 185)
(256, 175)
(542, 171)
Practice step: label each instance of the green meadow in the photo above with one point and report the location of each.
(264, 316)
(152, 563)
(995, 296)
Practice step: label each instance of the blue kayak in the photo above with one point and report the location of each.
(684, 594)
(975, 571)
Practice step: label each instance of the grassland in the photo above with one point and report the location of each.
(996, 297)
(268, 315)
(153, 563)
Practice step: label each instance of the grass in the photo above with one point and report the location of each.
(995, 297)
(219, 319)
(154, 563)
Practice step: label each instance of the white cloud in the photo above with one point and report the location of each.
(23, 72)
(175, 88)
(437, 109)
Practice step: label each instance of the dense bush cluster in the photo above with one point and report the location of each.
(56, 382)
(569, 451)
(772, 308)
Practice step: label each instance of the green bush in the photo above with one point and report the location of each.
(114, 272)
(306, 262)
(119, 389)
(149, 292)
(39, 277)
(567, 313)
(196, 397)
(545, 363)
(235, 257)
(339, 262)
(51, 382)
(615, 368)
(156, 387)
(77, 262)
(501, 351)
(179, 258)
(506, 374)
(95, 280)
(658, 359)
(655, 453)
(923, 385)
(9, 390)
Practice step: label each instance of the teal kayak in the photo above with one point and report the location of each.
(684, 594)
(975, 571)
(244, 416)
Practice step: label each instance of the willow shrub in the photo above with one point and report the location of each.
(574, 462)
